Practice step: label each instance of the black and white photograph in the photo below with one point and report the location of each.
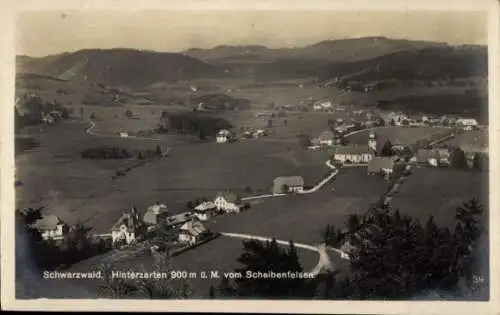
(250, 154)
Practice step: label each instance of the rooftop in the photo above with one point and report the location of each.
(49, 222)
(229, 196)
(193, 227)
(353, 150)
(289, 181)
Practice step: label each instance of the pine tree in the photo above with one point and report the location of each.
(269, 257)
(458, 159)
(387, 149)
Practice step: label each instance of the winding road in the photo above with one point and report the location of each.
(92, 126)
(324, 263)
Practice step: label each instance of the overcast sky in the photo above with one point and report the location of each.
(45, 33)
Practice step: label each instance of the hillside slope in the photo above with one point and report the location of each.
(119, 67)
(421, 64)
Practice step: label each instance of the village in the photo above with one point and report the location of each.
(160, 229)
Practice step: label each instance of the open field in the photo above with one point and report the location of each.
(79, 190)
(55, 176)
(405, 135)
(307, 214)
(438, 192)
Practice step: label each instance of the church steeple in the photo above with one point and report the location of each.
(372, 141)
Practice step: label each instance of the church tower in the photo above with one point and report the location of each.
(372, 141)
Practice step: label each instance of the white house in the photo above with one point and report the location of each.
(124, 134)
(353, 154)
(204, 210)
(128, 228)
(228, 202)
(192, 232)
(51, 227)
(467, 122)
(286, 184)
(222, 136)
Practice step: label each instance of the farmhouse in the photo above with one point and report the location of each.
(288, 184)
(156, 215)
(326, 138)
(353, 154)
(433, 157)
(128, 228)
(178, 219)
(204, 210)
(51, 227)
(222, 136)
(192, 232)
(228, 202)
(381, 165)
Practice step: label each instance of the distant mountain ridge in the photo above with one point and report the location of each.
(351, 49)
(357, 58)
(119, 67)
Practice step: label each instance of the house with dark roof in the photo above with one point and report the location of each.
(381, 165)
(128, 228)
(353, 154)
(326, 138)
(192, 232)
(228, 202)
(51, 227)
(397, 145)
(176, 220)
(287, 184)
(155, 215)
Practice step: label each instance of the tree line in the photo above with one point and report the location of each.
(192, 123)
(103, 153)
(34, 107)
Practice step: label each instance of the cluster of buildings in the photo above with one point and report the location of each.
(257, 133)
(188, 226)
(366, 155)
(401, 119)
